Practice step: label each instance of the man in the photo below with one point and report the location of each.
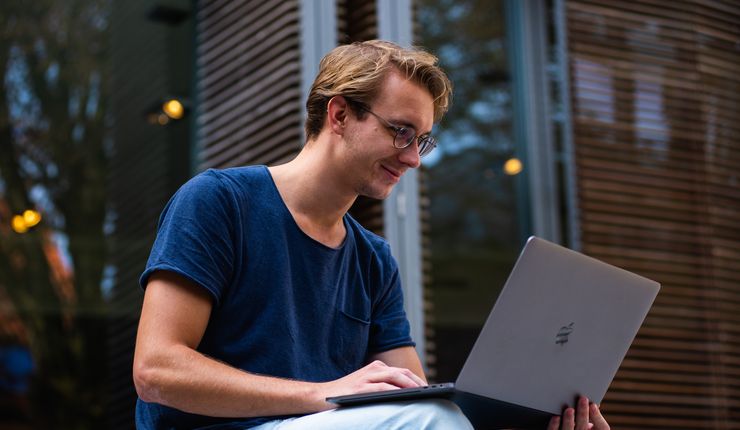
(263, 297)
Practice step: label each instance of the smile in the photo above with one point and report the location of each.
(394, 175)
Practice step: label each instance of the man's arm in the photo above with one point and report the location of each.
(169, 370)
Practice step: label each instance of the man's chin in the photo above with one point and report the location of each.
(377, 193)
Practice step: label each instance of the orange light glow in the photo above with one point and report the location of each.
(173, 108)
(31, 218)
(19, 224)
(513, 166)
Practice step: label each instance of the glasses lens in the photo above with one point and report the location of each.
(404, 136)
(426, 145)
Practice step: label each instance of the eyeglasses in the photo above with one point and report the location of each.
(405, 136)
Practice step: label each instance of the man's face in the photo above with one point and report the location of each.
(371, 158)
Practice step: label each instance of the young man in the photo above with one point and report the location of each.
(263, 297)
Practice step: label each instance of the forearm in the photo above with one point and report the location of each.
(184, 379)
(169, 370)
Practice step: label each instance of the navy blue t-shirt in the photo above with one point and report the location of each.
(283, 304)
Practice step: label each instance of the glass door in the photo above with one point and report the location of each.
(473, 180)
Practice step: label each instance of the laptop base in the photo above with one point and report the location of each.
(483, 413)
(445, 390)
(490, 414)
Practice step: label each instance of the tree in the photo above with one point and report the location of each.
(53, 159)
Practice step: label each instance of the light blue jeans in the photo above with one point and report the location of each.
(431, 414)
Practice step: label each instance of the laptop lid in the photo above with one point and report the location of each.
(560, 328)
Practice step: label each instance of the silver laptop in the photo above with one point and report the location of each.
(559, 329)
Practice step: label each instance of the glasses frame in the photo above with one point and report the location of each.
(426, 141)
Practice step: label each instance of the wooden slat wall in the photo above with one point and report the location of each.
(249, 82)
(656, 102)
(249, 85)
(357, 20)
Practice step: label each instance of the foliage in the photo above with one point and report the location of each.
(469, 38)
(472, 200)
(53, 158)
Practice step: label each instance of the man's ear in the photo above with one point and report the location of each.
(337, 111)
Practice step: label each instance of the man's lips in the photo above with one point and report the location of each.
(395, 174)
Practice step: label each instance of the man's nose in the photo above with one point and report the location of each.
(410, 155)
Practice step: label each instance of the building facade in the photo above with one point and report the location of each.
(607, 126)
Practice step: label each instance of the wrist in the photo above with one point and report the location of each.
(313, 395)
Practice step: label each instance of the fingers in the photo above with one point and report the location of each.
(586, 416)
(414, 377)
(396, 376)
(568, 419)
(380, 386)
(598, 419)
(582, 414)
(400, 378)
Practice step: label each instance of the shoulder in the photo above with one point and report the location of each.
(231, 177)
(214, 192)
(215, 184)
(367, 241)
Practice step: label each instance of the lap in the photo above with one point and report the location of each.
(428, 414)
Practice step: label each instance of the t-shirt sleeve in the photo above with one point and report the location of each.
(195, 235)
(389, 326)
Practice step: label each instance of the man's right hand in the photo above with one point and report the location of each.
(376, 376)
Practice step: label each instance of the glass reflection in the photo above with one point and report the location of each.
(473, 198)
(69, 119)
(53, 109)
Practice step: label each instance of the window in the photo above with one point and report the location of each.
(88, 157)
(478, 214)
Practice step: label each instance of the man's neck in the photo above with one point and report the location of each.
(314, 195)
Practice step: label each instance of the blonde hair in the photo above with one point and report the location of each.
(357, 72)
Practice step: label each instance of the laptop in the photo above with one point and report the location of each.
(559, 329)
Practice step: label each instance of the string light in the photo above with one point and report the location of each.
(173, 108)
(31, 218)
(166, 110)
(21, 223)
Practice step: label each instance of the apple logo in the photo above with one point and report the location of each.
(562, 337)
